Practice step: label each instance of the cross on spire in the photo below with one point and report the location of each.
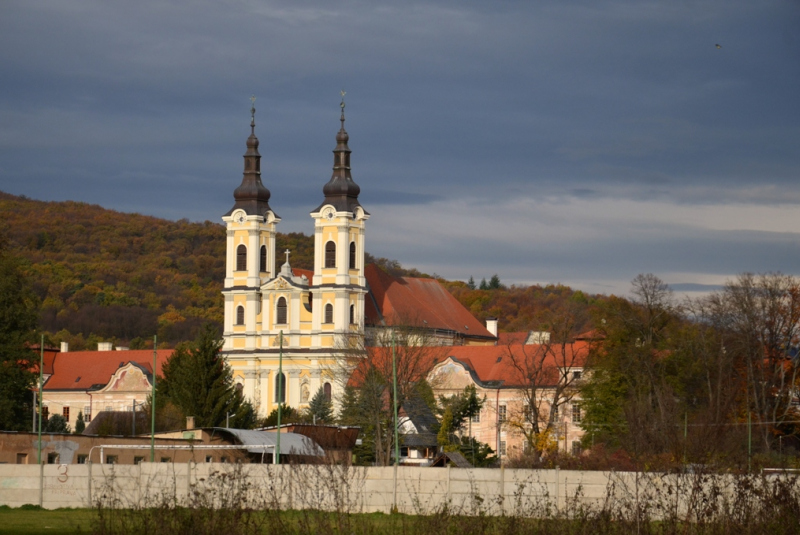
(287, 252)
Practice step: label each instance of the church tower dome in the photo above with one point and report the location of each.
(341, 191)
(251, 195)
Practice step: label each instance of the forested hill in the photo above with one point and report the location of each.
(121, 276)
(107, 275)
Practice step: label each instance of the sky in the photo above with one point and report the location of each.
(565, 141)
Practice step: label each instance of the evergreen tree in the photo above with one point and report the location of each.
(56, 424)
(18, 317)
(289, 415)
(483, 285)
(494, 283)
(320, 409)
(471, 283)
(80, 424)
(199, 382)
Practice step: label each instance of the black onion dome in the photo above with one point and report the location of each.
(341, 191)
(251, 195)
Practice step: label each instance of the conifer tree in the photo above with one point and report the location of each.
(80, 424)
(471, 283)
(483, 285)
(198, 381)
(320, 409)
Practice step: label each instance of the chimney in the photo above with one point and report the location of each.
(190, 422)
(105, 346)
(65, 347)
(491, 325)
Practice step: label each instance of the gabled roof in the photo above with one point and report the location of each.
(420, 302)
(49, 357)
(492, 366)
(82, 370)
(297, 272)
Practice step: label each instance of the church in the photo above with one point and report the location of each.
(305, 319)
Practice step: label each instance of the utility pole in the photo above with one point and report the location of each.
(396, 422)
(41, 382)
(280, 397)
(153, 404)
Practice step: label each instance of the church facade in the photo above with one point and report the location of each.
(303, 321)
(297, 316)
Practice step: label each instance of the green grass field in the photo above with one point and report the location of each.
(30, 520)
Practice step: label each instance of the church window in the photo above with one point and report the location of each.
(310, 301)
(240, 315)
(330, 255)
(329, 313)
(241, 258)
(263, 259)
(326, 391)
(352, 314)
(281, 316)
(353, 255)
(280, 388)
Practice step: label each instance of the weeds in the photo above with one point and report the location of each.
(242, 499)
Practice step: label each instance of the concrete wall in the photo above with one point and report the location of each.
(354, 489)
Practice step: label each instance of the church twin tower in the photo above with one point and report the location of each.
(315, 313)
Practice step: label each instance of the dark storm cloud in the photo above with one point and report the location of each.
(142, 106)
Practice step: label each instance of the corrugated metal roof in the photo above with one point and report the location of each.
(291, 443)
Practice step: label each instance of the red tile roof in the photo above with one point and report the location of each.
(491, 364)
(495, 363)
(80, 370)
(503, 339)
(297, 272)
(49, 356)
(418, 302)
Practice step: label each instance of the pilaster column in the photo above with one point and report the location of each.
(230, 258)
(293, 387)
(253, 254)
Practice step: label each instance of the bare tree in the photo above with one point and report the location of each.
(759, 316)
(545, 376)
(365, 367)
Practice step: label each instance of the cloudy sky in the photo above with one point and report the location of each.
(579, 142)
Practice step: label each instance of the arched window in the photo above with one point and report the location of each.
(240, 315)
(281, 315)
(330, 255)
(241, 258)
(280, 388)
(329, 313)
(263, 259)
(352, 314)
(353, 255)
(326, 391)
